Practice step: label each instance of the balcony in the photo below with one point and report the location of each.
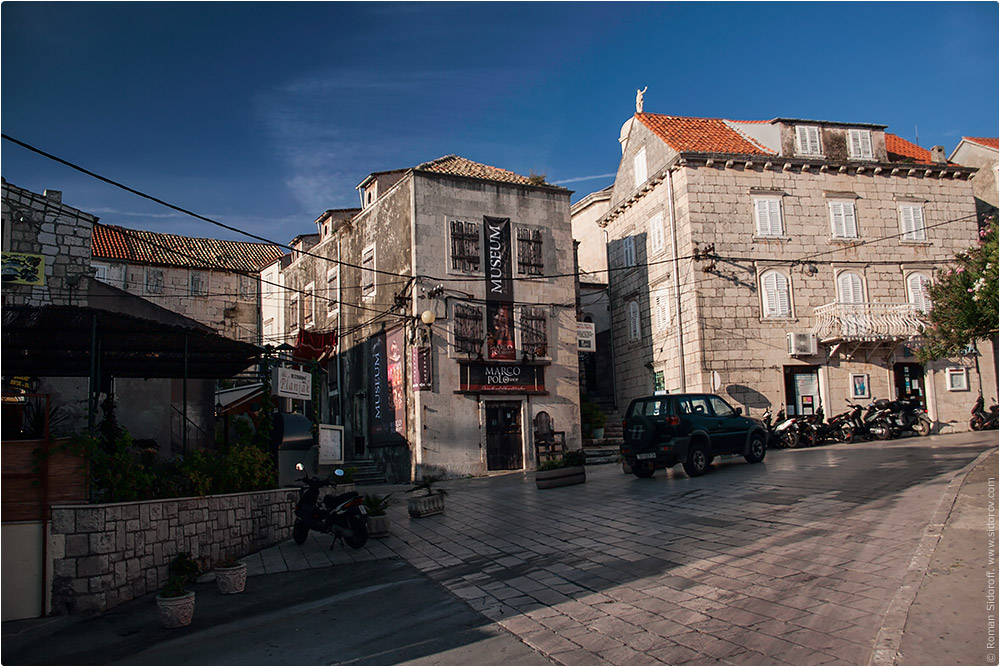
(867, 322)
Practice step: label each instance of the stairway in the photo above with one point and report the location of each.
(605, 450)
(367, 473)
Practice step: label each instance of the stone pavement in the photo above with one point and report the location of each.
(813, 557)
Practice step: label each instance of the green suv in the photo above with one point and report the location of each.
(692, 429)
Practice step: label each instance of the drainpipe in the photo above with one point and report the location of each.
(677, 282)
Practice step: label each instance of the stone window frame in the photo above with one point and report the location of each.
(841, 275)
(923, 304)
(369, 265)
(464, 251)
(957, 378)
(759, 198)
(766, 303)
(533, 337)
(197, 285)
(247, 287)
(530, 251)
(912, 232)
(805, 137)
(860, 145)
(628, 252)
(654, 227)
(661, 306)
(844, 204)
(468, 329)
(153, 280)
(333, 291)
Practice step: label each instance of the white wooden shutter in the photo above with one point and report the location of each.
(634, 328)
(807, 138)
(628, 250)
(656, 232)
(850, 288)
(768, 212)
(912, 221)
(639, 167)
(776, 295)
(860, 143)
(662, 305)
(843, 220)
(916, 285)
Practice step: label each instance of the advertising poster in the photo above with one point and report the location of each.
(387, 403)
(396, 378)
(499, 289)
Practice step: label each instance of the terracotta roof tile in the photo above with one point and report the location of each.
(989, 142)
(459, 166)
(700, 135)
(112, 242)
(901, 150)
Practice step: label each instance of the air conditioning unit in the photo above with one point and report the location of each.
(801, 344)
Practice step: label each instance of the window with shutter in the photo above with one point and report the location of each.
(656, 232)
(628, 251)
(843, 220)
(634, 327)
(468, 329)
(529, 251)
(768, 216)
(154, 281)
(859, 144)
(534, 338)
(465, 252)
(293, 312)
(911, 218)
(333, 291)
(777, 299)
(198, 284)
(661, 303)
(850, 289)
(368, 272)
(309, 305)
(916, 287)
(807, 140)
(639, 167)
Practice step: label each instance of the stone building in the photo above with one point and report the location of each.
(783, 262)
(981, 152)
(452, 297)
(211, 281)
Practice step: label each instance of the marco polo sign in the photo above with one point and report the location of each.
(487, 378)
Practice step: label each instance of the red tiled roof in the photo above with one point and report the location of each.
(901, 150)
(459, 166)
(700, 135)
(989, 142)
(133, 245)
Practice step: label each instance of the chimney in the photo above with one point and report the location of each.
(937, 155)
(54, 196)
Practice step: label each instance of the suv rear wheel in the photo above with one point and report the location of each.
(644, 470)
(697, 461)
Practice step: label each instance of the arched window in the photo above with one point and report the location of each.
(634, 329)
(916, 291)
(850, 288)
(776, 294)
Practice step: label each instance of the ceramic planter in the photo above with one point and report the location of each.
(176, 612)
(598, 433)
(550, 479)
(378, 526)
(231, 579)
(421, 506)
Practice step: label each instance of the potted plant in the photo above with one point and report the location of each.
(591, 415)
(378, 520)
(175, 603)
(230, 575)
(563, 471)
(432, 502)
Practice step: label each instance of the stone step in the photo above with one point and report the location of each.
(367, 472)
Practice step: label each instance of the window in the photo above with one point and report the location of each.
(534, 338)
(634, 324)
(639, 167)
(368, 272)
(850, 289)
(468, 329)
(293, 312)
(465, 253)
(859, 144)
(776, 294)
(843, 221)
(248, 288)
(721, 408)
(198, 284)
(958, 379)
(101, 273)
(268, 328)
(656, 232)
(911, 222)
(916, 291)
(628, 250)
(529, 251)
(767, 212)
(309, 305)
(333, 291)
(807, 140)
(661, 305)
(154, 281)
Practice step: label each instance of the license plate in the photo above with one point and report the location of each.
(647, 455)
(363, 509)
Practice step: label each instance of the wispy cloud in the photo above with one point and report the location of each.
(583, 178)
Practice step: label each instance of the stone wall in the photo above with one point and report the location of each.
(104, 555)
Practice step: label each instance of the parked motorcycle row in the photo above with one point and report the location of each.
(881, 419)
(981, 419)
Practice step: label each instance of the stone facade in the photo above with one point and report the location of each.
(696, 282)
(104, 555)
(982, 154)
(43, 225)
(376, 271)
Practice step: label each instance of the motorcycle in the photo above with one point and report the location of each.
(982, 420)
(769, 426)
(342, 515)
(878, 420)
(795, 432)
(909, 415)
(842, 426)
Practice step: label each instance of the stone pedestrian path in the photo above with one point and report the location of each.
(799, 560)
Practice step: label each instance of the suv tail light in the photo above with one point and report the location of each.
(673, 420)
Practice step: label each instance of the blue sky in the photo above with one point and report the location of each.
(263, 115)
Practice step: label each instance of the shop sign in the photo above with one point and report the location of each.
(501, 378)
(288, 383)
(586, 337)
(21, 268)
(421, 362)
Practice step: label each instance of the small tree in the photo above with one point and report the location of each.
(964, 299)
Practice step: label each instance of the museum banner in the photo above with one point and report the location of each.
(387, 408)
(499, 289)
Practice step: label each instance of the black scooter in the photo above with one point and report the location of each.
(344, 515)
(982, 420)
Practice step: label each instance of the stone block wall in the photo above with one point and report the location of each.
(104, 555)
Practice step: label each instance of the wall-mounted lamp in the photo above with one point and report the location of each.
(428, 317)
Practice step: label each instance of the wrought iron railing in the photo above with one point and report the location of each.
(867, 321)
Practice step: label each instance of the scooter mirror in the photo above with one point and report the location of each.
(298, 466)
(338, 472)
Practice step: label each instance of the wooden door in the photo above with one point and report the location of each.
(504, 444)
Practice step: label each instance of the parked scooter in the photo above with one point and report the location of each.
(982, 420)
(879, 421)
(842, 426)
(908, 414)
(342, 515)
(795, 432)
(770, 427)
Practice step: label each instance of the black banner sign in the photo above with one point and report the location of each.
(502, 378)
(499, 289)
(387, 408)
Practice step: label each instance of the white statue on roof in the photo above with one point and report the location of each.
(638, 99)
